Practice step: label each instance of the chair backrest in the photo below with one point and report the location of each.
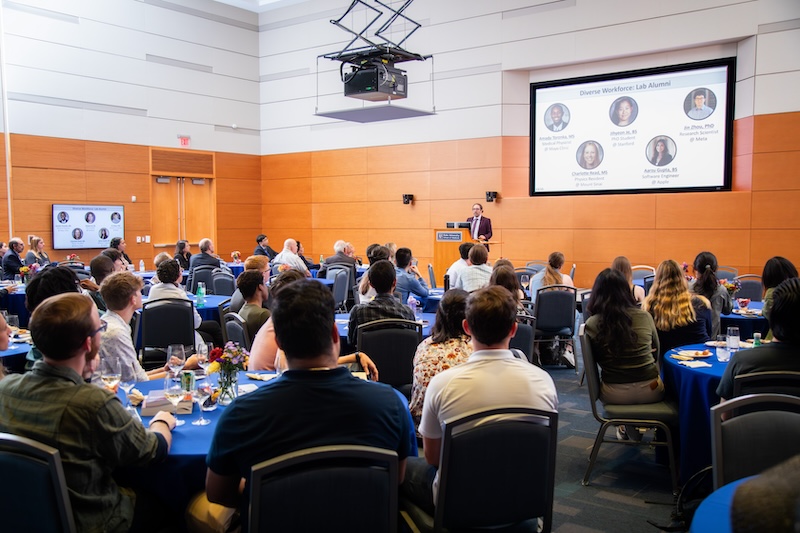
(341, 286)
(585, 296)
(648, 283)
(640, 271)
(572, 271)
(431, 276)
(524, 271)
(224, 283)
(391, 343)
(727, 272)
(751, 287)
(592, 373)
(483, 483)
(202, 273)
(536, 266)
(749, 443)
(282, 488)
(523, 340)
(777, 382)
(223, 309)
(236, 330)
(555, 309)
(165, 322)
(237, 302)
(33, 496)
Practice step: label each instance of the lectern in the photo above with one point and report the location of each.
(445, 249)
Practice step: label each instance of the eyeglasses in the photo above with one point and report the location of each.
(103, 327)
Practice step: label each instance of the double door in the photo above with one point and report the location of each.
(182, 208)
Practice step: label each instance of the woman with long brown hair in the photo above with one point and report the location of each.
(551, 274)
(622, 265)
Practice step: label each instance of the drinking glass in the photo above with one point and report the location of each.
(743, 302)
(13, 321)
(126, 383)
(732, 339)
(176, 358)
(723, 355)
(174, 393)
(203, 351)
(17, 279)
(202, 392)
(279, 361)
(110, 372)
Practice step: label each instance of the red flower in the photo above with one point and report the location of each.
(215, 354)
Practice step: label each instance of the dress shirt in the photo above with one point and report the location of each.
(408, 283)
(117, 342)
(700, 113)
(455, 271)
(474, 277)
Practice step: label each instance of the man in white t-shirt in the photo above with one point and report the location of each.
(492, 377)
(458, 267)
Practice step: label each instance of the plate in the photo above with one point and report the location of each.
(694, 353)
(717, 344)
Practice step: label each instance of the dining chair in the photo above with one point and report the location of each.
(391, 343)
(751, 287)
(33, 495)
(165, 322)
(727, 272)
(486, 485)
(523, 340)
(772, 382)
(236, 330)
(660, 415)
(648, 283)
(431, 276)
(223, 309)
(572, 272)
(536, 266)
(200, 273)
(341, 287)
(281, 490)
(640, 271)
(223, 282)
(747, 443)
(555, 315)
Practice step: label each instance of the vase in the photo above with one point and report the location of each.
(228, 386)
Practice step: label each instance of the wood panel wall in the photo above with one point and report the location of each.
(356, 195)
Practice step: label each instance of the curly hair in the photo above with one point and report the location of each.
(669, 301)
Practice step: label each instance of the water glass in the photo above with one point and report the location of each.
(17, 279)
(12, 321)
(732, 339)
(723, 355)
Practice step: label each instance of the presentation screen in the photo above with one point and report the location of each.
(667, 129)
(86, 226)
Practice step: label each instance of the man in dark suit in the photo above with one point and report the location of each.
(205, 257)
(12, 261)
(263, 247)
(480, 227)
(344, 256)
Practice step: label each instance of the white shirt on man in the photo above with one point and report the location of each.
(455, 270)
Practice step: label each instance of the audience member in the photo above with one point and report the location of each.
(301, 253)
(375, 253)
(37, 254)
(706, 284)
(87, 424)
(116, 256)
(254, 290)
(340, 257)
(3, 248)
(491, 377)
(550, 275)
(182, 253)
(263, 248)
(476, 275)
(280, 418)
(776, 270)
(157, 260)
(681, 317)
(384, 305)
(623, 265)
(447, 347)
(461, 264)
(264, 350)
(392, 247)
(505, 276)
(101, 267)
(779, 355)
(409, 280)
(259, 263)
(288, 256)
(118, 243)
(12, 260)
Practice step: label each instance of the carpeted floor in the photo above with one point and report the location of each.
(627, 486)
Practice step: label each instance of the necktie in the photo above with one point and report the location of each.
(475, 227)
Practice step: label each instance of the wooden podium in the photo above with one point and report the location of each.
(445, 249)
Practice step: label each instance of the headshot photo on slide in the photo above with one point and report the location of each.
(589, 155)
(624, 111)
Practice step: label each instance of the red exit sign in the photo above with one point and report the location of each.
(185, 142)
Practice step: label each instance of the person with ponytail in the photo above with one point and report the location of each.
(550, 275)
(706, 284)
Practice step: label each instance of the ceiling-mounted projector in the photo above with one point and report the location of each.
(376, 83)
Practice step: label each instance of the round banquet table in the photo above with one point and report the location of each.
(713, 515)
(748, 323)
(183, 474)
(695, 390)
(433, 300)
(13, 359)
(15, 304)
(236, 268)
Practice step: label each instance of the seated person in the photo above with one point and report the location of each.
(776, 270)
(681, 317)
(101, 267)
(288, 256)
(705, 283)
(375, 253)
(384, 305)
(409, 280)
(506, 277)
(12, 260)
(116, 256)
(157, 260)
(623, 265)
(259, 263)
(93, 433)
(550, 275)
(460, 264)
(476, 275)
(779, 355)
(251, 284)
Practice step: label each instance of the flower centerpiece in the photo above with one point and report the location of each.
(686, 274)
(27, 272)
(236, 255)
(731, 285)
(228, 361)
(73, 257)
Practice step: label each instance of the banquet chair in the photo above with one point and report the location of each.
(236, 330)
(431, 276)
(555, 315)
(727, 272)
(391, 343)
(660, 415)
(521, 271)
(165, 322)
(648, 283)
(749, 443)
(751, 287)
(223, 282)
(523, 340)
(572, 272)
(341, 286)
(483, 485)
(585, 296)
(33, 495)
(640, 271)
(283, 488)
(536, 266)
(200, 273)
(773, 382)
(223, 309)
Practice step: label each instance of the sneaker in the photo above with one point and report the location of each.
(569, 357)
(621, 434)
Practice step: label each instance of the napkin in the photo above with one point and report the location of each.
(261, 377)
(695, 364)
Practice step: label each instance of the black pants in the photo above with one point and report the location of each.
(211, 331)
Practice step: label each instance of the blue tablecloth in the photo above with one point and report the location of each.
(434, 298)
(14, 358)
(147, 275)
(747, 324)
(236, 268)
(714, 513)
(695, 390)
(15, 304)
(183, 474)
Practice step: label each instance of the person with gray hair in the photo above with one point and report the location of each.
(341, 257)
(205, 257)
(289, 257)
(12, 260)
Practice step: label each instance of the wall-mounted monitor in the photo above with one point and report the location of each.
(667, 129)
(86, 226)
